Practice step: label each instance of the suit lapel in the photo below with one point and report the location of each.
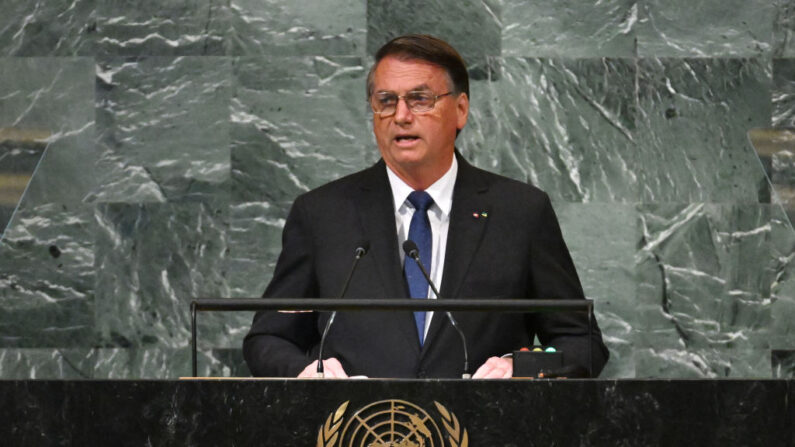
(464, 235)
(377, 215)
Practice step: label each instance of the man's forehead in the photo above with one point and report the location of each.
(417, 73)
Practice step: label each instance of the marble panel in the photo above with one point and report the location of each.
(60, 176)
(784, 29)
(454, 21)
(602, 239)
(255, 232)
(151, 261)
(159, 363)
(46, 126)
(47, 278)
(699, 363)
(160, 27)
(470, 141)
(6, 211)
(714, 28)
(222, 330)
(47, 28)
(692, 123)
(565, 125)
(783, 173)
(46, 98)
(776, 150)
(783, 362)
(706, 273)
(297, 123)
(18, 159)
(569, 28)
(784, 92)
(163, 130)
(46, 363)
(262, 170)
(782, 291)
(297, 27)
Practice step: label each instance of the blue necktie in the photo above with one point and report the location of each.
(420, 233)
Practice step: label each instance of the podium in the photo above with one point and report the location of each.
(398, 412)
(492, 413)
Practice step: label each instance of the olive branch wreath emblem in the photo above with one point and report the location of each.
(329, 432)
(453, 431)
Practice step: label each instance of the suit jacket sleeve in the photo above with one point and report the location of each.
(278, 343)
(553, 275)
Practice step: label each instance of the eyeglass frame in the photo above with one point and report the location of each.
(403, 97)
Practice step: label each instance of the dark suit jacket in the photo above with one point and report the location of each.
(517, 251)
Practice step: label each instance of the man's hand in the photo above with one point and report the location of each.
(495, 368)
(332, 369)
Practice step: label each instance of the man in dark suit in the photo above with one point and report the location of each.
(480, 235)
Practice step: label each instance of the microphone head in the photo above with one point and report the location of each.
(410, 248)
(361, 249)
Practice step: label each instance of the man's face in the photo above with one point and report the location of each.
(418, 145)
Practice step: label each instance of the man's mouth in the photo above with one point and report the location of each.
(406, 139)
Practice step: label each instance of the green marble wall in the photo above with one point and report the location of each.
(159, 145)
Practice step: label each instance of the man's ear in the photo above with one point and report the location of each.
(462, 110)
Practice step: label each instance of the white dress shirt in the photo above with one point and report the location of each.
(438, 214)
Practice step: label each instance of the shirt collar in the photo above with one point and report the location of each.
(441, 191)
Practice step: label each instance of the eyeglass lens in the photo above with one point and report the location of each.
(385, 103)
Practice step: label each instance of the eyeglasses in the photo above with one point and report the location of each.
(385, 103)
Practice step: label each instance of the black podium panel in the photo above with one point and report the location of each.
(399, 412)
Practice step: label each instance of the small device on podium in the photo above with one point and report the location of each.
(530, 362)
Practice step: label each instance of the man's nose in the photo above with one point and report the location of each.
(402, 112)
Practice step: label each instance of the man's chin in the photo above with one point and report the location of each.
(407, 155)
(409, 162)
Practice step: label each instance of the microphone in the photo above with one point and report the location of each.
(411, 250)
(360, 251)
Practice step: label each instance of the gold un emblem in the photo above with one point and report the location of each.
(391, 423)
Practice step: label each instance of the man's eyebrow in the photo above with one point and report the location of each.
(419, 88)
